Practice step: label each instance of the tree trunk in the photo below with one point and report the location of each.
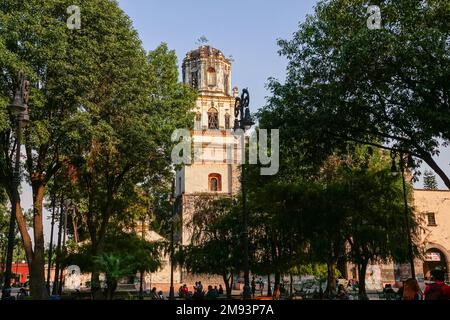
(362, 268)
(58, 247)
(23, 228)
(75, 226)
(228, 281)
(112, 286)
(50, 247)
(96, 290)
(331, 279)
(269, 289)
(141, 285)
(291, 284)
(433, 165)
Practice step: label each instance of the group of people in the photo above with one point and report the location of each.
(410, 290)
(436, 290)
(199, 293)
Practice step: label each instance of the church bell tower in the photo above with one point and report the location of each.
(214, 170)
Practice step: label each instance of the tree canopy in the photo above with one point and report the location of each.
(386, 87)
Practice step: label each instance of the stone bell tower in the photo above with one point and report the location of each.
(214, 170)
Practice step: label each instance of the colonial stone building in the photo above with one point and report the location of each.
(214, 170)
(432, 209)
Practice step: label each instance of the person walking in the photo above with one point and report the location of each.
(261, 285)
(342, 293)
(437, 290)
(154, 294)
(276, 292)
(253, 284)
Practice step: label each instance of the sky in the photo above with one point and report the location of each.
(247, 30)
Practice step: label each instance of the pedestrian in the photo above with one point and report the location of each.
(411, 290)
(342, 293)
(211, 294)
(220, 289)
(276, 292)
(437, 290)
(184, 291)
(253, 284)
(261, 285)
(22, 294)
(198, 295)
(389, 293)
(161, 296)
(200, 286)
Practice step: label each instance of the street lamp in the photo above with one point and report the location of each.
(243, 121)
(19, 109)
(174, 203)
(405, 198)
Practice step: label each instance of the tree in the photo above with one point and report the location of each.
(429, 181)
(350, 209)
(124, 255)
(376, 230)
(81, 81)
(115, 268)
(4, 228)
(126, 143)
(386, 87)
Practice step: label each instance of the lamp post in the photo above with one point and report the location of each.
(173, 202)
(19, 109)
(243, 121)
(405, 199)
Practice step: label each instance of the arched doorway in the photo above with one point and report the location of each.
(434, 259)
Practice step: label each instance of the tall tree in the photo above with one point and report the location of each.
(429, 181)
(125, 138)
(386, 87)
(215, 243)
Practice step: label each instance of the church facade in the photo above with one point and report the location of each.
(214, 169)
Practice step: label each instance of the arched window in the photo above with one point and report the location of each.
(212, 77)
(227, 121)
(198, 121)
(226, 84)
(215, 182)
(213, 119)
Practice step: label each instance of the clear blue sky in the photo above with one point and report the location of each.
(247, 29)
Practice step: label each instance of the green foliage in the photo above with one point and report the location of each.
(429, 181)
(319, 271)
(137, 253)
(102, 111)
